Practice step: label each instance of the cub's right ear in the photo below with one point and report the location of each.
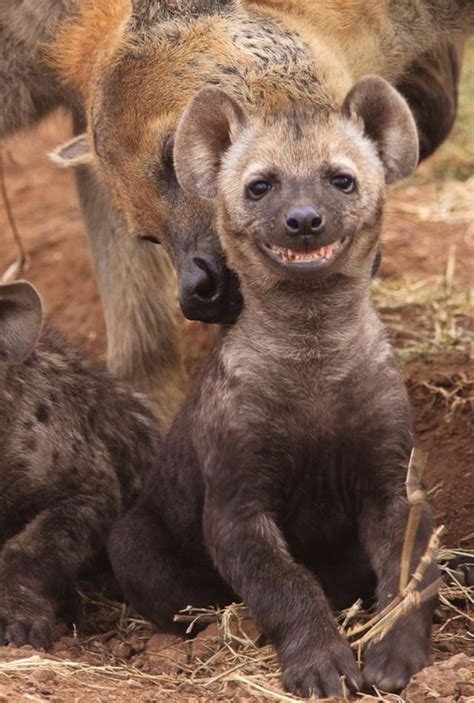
(75, 152)
(21, 318)
(209, 125)
(386, 120)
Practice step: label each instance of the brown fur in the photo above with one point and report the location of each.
(141, 318)
(265, 53)
(74, 448)
(143, 336)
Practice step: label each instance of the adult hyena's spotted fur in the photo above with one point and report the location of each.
(143, 335)
(135, 79)
(74, 448)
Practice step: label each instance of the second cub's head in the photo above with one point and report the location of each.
(298, 194)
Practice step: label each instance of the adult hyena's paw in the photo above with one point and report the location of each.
(26, 617)
(322, 670)
(390, 663)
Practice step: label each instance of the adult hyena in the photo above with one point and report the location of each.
(135, 279)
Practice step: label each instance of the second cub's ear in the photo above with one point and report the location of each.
(388, 121)
(208, 126)
(21, 318)
(75, 152)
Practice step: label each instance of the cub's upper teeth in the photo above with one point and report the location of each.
(325, 252)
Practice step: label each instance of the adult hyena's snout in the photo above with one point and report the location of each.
(208, 290)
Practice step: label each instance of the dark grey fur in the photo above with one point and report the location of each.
(74, 447)
(282, 479)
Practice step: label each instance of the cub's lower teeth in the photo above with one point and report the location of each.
(290, 255)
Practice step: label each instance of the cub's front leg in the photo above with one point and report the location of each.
(390, 663)
(39, 565)
(286, 599)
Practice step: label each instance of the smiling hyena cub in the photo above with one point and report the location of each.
(74, 446)
(286, 466)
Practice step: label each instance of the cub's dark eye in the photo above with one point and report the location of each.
(167, 154)
(342, 182)
(258, 189)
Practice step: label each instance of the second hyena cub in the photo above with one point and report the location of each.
(74, 447)
(287, 463)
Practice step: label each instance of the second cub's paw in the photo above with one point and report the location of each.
(323, 670)
(390, 663)
(25, 618)
(18, 632)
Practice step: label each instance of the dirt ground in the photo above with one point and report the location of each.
(424, 297)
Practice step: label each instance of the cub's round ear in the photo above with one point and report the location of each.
(208, 126)
(21, 318)
(387, 120)
(75, 152)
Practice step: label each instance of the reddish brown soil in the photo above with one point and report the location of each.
(46, 211)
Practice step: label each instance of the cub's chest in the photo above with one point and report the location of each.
(321, 491)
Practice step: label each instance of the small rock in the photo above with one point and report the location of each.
(42, 676)
(245, 629)
(442, 681)
(212, 630)
(136, 642)
(206, 642)
(161, 641)
(169, 660)
(122, 650)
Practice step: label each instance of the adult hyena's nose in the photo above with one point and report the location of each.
(208, 290)
(303, 220)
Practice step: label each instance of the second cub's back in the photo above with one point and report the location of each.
(68, 427)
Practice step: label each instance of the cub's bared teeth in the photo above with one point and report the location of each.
(324, 252)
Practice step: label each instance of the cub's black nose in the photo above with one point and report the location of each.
(303, 220)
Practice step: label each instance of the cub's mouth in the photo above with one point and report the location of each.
(302, 260)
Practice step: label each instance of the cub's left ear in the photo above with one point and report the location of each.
(75, 152)
(388, 122)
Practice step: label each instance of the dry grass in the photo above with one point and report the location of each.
(235, 663)
(428, 315)
(435, 314)
(238, 663)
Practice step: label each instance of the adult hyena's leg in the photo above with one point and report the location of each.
(138, 289)
(430, 85)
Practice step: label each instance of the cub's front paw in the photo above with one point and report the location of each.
(390, 663)
(318, 669)
(25, 618)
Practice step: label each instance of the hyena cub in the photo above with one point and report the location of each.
(74, 446)
(282, 479)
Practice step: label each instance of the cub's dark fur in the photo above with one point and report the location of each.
(74, 448)
(282, 479)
